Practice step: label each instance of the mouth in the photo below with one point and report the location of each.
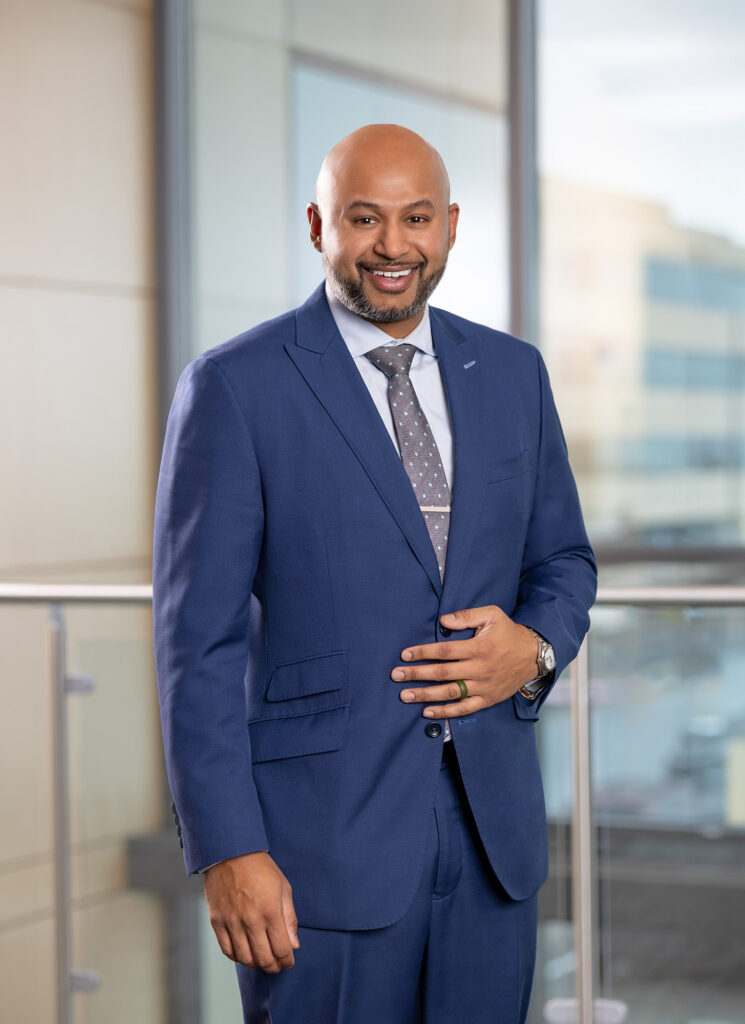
(391, 279)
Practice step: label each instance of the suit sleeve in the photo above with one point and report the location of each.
(558, 579)
(208, 531)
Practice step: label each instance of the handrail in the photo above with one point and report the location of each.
(105, 593)
(697, 594)
(142, 593)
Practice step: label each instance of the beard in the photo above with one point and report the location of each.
(349, 292)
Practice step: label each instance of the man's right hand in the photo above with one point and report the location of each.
(251, 911)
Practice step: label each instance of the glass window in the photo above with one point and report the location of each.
(642, 204)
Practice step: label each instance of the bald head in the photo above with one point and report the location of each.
(377, 154)
(383, 223)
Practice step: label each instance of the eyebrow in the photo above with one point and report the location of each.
(374, 206)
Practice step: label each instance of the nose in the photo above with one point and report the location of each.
(391, 243)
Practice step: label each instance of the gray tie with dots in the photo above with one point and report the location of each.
(416, 444)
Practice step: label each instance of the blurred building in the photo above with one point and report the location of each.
(644, 332)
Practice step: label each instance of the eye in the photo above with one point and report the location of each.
(363, 220)
(417, 218)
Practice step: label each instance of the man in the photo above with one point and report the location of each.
(370, 564)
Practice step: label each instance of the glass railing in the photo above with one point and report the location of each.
(642, 919)
(642, 749)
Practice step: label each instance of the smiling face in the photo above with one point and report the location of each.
(383, 224)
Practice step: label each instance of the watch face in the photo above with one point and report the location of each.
(549, 659)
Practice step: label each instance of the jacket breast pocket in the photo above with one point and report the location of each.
(508, 494)
(505, 469)
(305, 710)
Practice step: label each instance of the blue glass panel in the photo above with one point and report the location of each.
(695, 284)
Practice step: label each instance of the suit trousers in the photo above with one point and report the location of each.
(463, 951)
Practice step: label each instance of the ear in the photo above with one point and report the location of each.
(314, 220)
(453, 213)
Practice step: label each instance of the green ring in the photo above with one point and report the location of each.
(463, 689)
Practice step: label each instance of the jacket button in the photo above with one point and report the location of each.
(445, 631)
(433, 729)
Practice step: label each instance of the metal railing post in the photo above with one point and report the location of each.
(63, 926)
(582, 839)
(523, 171)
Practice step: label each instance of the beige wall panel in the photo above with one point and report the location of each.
(26, 891)
(251, 17)
(99, 870)
(141, 6)
(76, 403)
(438, 43)
(478, 61)
(122, 938)
(27, 974)
(241, 173)
(25, 737)
(75, 105)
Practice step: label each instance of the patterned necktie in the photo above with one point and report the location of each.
(416, 444)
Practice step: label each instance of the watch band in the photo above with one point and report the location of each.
(545, 662)
(546, 659)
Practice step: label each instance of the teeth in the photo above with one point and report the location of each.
(391, 273)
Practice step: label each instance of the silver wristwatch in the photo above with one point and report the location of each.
(546, 658)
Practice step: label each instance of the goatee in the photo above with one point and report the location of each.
(349, 292)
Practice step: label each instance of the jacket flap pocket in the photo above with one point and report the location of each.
(273, 738)
(318, 674)
(504, 469)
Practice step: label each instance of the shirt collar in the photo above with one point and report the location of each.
(360, 335)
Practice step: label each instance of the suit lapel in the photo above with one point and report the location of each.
(461, 373)
(322, 357)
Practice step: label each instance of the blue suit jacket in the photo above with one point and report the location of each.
(292, 565)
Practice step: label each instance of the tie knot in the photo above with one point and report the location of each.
(392, 359)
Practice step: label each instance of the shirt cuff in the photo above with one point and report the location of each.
(536, 685)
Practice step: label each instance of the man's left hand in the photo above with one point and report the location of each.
(494, 663)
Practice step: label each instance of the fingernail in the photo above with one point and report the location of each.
(407, 695)
(406, 655)
(429, 714)
(399, 673)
